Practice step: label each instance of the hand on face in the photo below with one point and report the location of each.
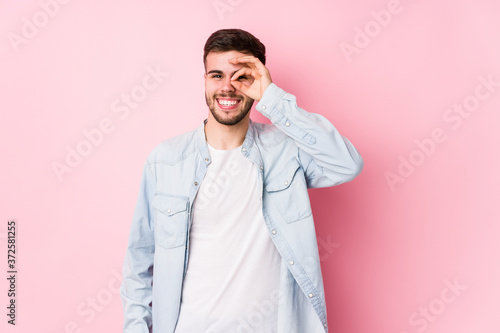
(255, 69)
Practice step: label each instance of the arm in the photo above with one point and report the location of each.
(326, 156)
(136, 288)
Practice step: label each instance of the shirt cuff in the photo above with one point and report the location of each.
(271, 97)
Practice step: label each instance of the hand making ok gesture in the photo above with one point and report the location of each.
(255, 69)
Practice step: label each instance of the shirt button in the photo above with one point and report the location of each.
(324, 324)
(286, 183)
(206, 160)
(291, 262)
(243, 149)
(264, 107)
(168, 210)
(261, 167)
(310, 295)
(287, 124)
(273, 232)
(195, 183)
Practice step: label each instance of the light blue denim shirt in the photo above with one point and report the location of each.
(299, 150)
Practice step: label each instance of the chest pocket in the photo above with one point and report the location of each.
(288, 191)
(171, 220)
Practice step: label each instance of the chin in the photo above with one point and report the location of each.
(230, 121)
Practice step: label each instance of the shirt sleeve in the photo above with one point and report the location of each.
(327, 157)
(136, 287)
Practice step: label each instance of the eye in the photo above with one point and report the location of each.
(242, 77)
(216, 76)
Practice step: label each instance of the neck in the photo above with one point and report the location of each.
(225, 137)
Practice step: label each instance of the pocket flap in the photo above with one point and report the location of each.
(285, 177)
(169, 204)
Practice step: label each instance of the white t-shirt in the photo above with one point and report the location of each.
(232, 279)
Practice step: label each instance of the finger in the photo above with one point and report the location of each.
(243, 59)
(242, 86)
(238, 85)
(248, 60)
(243, 71)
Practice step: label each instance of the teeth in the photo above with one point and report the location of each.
(227, 103)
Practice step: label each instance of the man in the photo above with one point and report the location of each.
(223, 217)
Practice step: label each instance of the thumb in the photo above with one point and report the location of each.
(238, 85)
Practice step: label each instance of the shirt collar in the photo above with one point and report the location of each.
(202, 142)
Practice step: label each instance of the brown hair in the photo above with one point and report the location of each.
(235, 40)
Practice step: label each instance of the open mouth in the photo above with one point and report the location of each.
(228, 103)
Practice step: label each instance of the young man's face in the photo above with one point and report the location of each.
(227, 105)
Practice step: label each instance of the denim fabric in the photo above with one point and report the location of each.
(299, 150)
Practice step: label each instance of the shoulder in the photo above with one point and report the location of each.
(174, 149)
(269, 135)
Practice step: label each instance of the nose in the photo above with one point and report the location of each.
(227, 86)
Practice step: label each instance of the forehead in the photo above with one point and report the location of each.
(219, 61)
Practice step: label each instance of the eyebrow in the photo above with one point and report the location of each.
(220, 72)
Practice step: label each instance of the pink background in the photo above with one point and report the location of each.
(390, 251)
